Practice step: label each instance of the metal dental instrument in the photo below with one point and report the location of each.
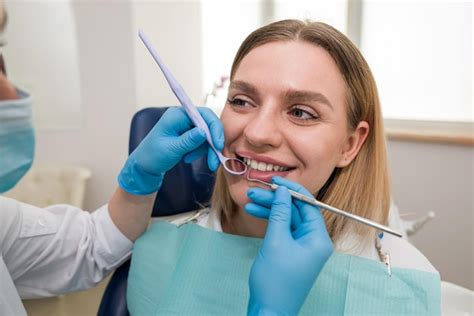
(330, 208)
(231, 165)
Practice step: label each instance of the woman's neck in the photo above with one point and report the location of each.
(244, 224)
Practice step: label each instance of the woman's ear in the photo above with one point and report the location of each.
(353, 144)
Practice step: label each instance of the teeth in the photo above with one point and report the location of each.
(253, 164)
(262, 166)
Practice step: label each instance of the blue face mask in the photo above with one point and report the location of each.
(17, 140)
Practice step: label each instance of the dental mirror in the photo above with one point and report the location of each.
(231, 165)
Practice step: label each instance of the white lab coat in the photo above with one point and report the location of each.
(51, 251)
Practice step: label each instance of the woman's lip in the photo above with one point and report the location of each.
(266, 175)
(264, 159)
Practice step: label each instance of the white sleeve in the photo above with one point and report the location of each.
(58, 249)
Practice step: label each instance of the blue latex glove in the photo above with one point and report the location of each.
(172, 138)
(290, 260)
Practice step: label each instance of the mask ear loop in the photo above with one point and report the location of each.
(3, 43)
(3, 68)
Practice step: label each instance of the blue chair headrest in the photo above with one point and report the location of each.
(186, 187)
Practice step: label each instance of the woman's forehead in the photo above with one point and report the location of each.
(292, 66)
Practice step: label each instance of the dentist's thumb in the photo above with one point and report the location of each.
(279, 221)
(189, 141)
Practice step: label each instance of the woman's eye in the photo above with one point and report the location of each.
(237, 101)
(303, 115)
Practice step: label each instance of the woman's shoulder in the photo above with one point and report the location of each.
(404, 254)
(176, 219)
(203, 217)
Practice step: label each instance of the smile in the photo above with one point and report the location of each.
(262, 166)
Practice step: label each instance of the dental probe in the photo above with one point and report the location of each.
(330, 208)
(232, 165)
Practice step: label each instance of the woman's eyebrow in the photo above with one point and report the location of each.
(290, 95)
(243, 86)
(308, 96)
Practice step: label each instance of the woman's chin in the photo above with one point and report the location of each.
(238, 192)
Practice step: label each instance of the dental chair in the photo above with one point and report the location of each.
(186, 187)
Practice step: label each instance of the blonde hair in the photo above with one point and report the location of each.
(363, 186)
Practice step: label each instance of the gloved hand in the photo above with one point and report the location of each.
(172, 138)
(290, 260)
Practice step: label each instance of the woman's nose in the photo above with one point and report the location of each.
(263, 129)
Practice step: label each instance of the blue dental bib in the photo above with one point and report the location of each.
(191, 270)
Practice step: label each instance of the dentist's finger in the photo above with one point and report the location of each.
(265, 198)
(291, 185)
(257, 210)
(308, 212)
(264, 213)
(212, 160)
(279, 222)
(215, 127)
(196, 154)
(189, 141)
(174, 122)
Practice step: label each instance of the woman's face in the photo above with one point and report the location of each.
(286, 116)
